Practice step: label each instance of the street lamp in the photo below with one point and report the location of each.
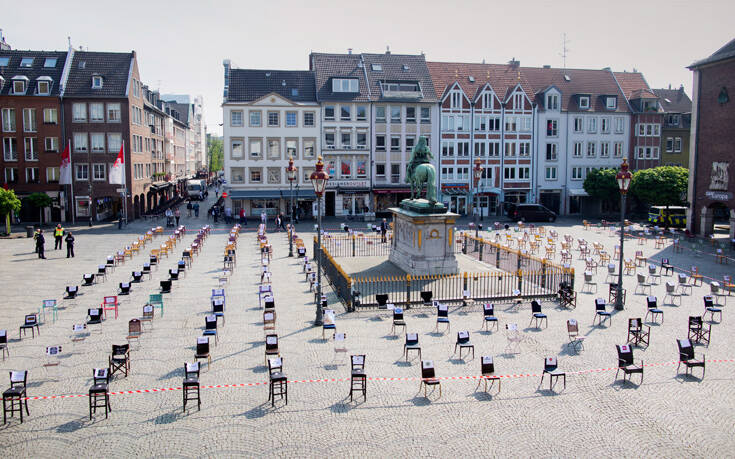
(291, 174)
(623, 177)
(319, 179)
(477, 175)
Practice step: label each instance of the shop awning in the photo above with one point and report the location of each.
(577, 192)
(489, 191)
(271, 194)
(155, 186)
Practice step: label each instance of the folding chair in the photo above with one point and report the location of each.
(627, 363)
(667, 268)
(687, 357)
(637, 334)
(709, 307)
(53, 355)
(358, 378)
(398, 320)
(30, 321)
(551, 368)
(88, 279)
(537, 315)
(672, 294)
(71, 292)
(278, 383)
(411, 344)
(340, 345)
(16, 394)
(463, 341)
(191, 384)
(487, 372)
(442, 317)
(652, 304)
(514, 338)
(210, 327)
(698, 332)
(99, 392)
(428, 376)
(576, 342)
(202, 351)
(4, 343)
(271, 346)
(49, 304)
(488, 316)
(119, 360)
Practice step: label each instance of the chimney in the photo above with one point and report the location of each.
(349, 50)
(387, 49)
(483, 60)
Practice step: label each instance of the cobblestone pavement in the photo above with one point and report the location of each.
(666, 415)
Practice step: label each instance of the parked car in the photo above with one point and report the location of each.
(531, 213)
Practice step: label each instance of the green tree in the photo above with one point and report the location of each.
(601, 184)
(660, 186)
(40, 200)
(9, 203)
(215, 152)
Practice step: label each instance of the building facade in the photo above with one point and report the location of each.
(196, 136)
(645, 122)
(677, 109)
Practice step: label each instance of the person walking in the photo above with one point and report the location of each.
(69, 245)
(196, 209)
(40, 241)
(263, 218)
(283, 222)
(214, 214)
(383, 231)
(177, 214)
(58, 236)
(188, 208)
(243, 219)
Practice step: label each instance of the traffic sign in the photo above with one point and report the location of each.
(224, 195)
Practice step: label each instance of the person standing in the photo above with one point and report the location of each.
(69, 245)
(188, 208)
(58, 236)
(196, 209)
(243, 220)
(383, 231)
(228, 215)
(40, 241)
(283, 223)
(214, 213)
(263, 218)
(35, 239)
(177, 214)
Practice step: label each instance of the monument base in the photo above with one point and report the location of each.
(423, 244)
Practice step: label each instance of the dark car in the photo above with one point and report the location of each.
(531, 213)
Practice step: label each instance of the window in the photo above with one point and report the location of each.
(649, 130)
(238, 147)
(395, 171)
(4, 61)
(361, 140)
(329, 142)
(274, 148)
(669, 144)
(493, 149)
(255, 175)
(97, 113)
(361, 113)
(52, 174)
(584, 102)
(345, 85)
(80, 142)
(50, 116)
(524, 149)
(425, 114)
(99, 171)
(19, 86)
(604, 149)
(292, 148)
(480, 148)
(8, 119)
(611, 103)
(82, 171)
(79, 113)
(26, 62)
(591, 149)
(291, 119)
(11, 175)
(447, 173)
(592, 125)
(50, 62)
(113, 113)
(377, 67)
(510, 124)
(31, 152)
(618, 149)
(308, 119)
(677, 145)
(380, 170)
(524, 173)
(463, 148)
(51, 144)
(114, 142)
(577, 149)
(43, 88)
(273, 119)
(447, 148)
(410, 114)
(551, 152)
(255, 120)
(309, 146)
(395, 114)
(552, 128)
(672, 120)
(410, 142)
(97, 142)
(605, 125)
(510, 149)
(346, 168)
(96, 82)
(329, 112)
(29, 120)
(551, 173)
(509, 173)
(395, 143)
(578, 124)
(380, 114)
(346, 139)
(32, 175)
(463, 123)
(345, 112)
(576, 173)
(447, 123)
(552, 102)
(236, 118)
(256, 148)
(619, 125)
(379, 143)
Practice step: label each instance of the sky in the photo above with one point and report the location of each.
(181, 44)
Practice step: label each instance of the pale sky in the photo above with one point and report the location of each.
(181, 44)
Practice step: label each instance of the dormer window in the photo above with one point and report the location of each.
(26, 62)
(50, 62)
(611, 103)
(20, 85)
(82, 64)
(552, 102)
(377, 67)
(345, 85)
(2, 82)
(4, 61)
(44, 88)
(96, 82)
(584, 102)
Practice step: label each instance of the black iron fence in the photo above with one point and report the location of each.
(335, 275)
(368, 245)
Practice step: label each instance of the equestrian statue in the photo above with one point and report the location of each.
(419, 173)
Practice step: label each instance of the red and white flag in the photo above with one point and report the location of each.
(117, 170)
(65, 169)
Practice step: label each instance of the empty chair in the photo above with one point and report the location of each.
(71, 292)
(102, 272)
(428, 376)
(463, 342)
(15, 395)
(137, 278)
(611, 275)
(487, 372)
(146, 271)
(626, 362)
(109, 303)
(672, 294)
(329, 322)
(210, 326)
(642, 284)
(181, 266)
(166, 286)
(638, 334)
(514, 339)
(269, 303)
(358, 378)
(666, 268)
(173, 274)
(411, 344)
(442, 317)
(148, 315)
(714, 291)
(589, 281)
(278, 383)
(551, 368)
(652, 304)
(49, 304)
(110, 263)
(398, 320)
(263, 291)
(382, 300)
(30, 321)
(156, 300)
(426, 297)
(488, 316)
(88, 279)
(190, 385)
(537, 315)
(687, 357)
(202, 350)
(698, 331)
(218, 308)
(124, 289)
(94, 316)
(119, 359)
(271, 346)
(709, 307)
(134, 330)
(4, 343)
(576, 342)
(684, 284)
(601, 312)
(99, 391)
(653, 277)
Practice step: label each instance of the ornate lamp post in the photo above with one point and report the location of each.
(623, 177)
(319, 179)
(291, 175)
(476, 175)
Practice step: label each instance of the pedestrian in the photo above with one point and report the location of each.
(69, 245)
(35, 239)
(283, 223)
(40, 241)
(263, 218)
(228, 215)
(58, 235)
(214, 214)
(188, 208)
(169, 218)
(119, 220)
(201, 196)
(196, 209)
(177, 214)
(243, 220)
(383, 231)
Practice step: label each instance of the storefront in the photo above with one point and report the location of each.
(272, 202)
(101, 208)
(455, 196)
(551, 199)
(351, 197)
(385, 198)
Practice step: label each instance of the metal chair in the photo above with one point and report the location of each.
(652, 304)
(488, 316)
(687, 357)
(487, 372)
(642, 284)
(358, 378)
(442, 317)
(709, 307)
(411, 344)
(428, 376)
(576, 342)
(16, 394)
(601, 312)
(191, 384)
(29, 322)
(463, 342)
(398, 320)
(537, 315)
(672, 294)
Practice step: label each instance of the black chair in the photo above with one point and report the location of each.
(463, 341)
(551, 368)
(382, 299)
(210, 327)
(711, 308)
(653, 309)
(94, 316)
(487, 372)
(110, 263)
(191, 384)
(137, 276)
(698, 332)
(88, 279)
(99, 391)
(202, 350)
(278, 383)
(398, 320)
(173, 274)
(4, 343)
(15, 394)
(119, 360)
(412, 344)
(271, 346)
(30, 321)
(488, 316)
(626, 362)
(147, 270)
(181, 266)
(601, 312)
(666, 267)
(218, 308)
(102, 272)
(537, 315)
(442, 317)
(687, 357)
(153, 260)
(426, 297)
(124, 288)
(637, 332)
(269, 303)
(166, 286)
(428, 376)
(358, 379)
(71, 292)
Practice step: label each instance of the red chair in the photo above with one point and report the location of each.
(109, 303)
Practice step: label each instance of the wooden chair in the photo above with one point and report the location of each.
(640, 259)
(135, 329)
(629, 266)
(601, 312)
(695, 276)
(202, 351)
(487, 372)
(16, 394)
(99, 391)
(271, 346)
(638, 333)
(428, 377)
(190, 384)
(358, 378)
(627, 363)
(278, 383)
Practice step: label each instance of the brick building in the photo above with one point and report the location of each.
(677, 108)
(712, 140)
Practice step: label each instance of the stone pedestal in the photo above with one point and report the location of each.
(423, 244)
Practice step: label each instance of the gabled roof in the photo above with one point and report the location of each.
(247, 85)
(726, 52)
(181, 109)
(399, 67)
(634, 86)
(571, 82)
(114, 68)
(327, 66)
(502, 78)
(34, 72)
(674, 100)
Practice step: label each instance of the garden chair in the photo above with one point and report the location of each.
(109, 303)
(638, 333)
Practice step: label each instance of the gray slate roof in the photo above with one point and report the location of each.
(113, 67)
(674, 100)
(36, 70)
(326, 66)
(182, 109)
(726, 52)
(393, 70)
(247, 85)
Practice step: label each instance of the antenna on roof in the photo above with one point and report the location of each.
(387, 49)
(564, 50)
(68, 38)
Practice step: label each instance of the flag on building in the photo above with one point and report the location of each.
(65, 169)
(117, 170)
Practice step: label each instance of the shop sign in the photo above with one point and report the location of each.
(347, 183)
(719, 195)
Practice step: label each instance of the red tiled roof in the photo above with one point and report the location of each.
(502, 78)
(634, 85)
(570, 82)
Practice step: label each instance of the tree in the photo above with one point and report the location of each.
(9, 203)
(215, 152)
(660, 186)
(601, 184)
(40, 200)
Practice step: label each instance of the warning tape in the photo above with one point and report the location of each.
(379, 379)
